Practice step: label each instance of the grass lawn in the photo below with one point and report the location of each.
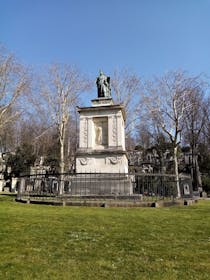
(52, 242)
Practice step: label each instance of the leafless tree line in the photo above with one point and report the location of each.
(38, 110)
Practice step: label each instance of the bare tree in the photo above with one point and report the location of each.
(126, 88)
(60, 90)
(14, 81)
(29, 131)
(165, 105)
(150, 137)
(72, 136)
(144, 134)
(206, 130)
(196, 118)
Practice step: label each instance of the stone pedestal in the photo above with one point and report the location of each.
(2, 182)
(102, 138)
(102, 148)
(104, 184)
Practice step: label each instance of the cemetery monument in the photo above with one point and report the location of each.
(102, 139)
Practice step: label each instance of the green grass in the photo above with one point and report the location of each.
(49, 242)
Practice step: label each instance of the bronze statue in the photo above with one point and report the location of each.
(103, 85)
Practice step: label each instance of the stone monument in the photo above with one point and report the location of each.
(102, 137)
(102, 134)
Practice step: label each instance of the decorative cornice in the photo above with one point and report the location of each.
(115, 107)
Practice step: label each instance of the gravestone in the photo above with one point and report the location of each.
(185, 183)
(2, 170)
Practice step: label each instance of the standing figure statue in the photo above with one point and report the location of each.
(103, 85)
(99, 135)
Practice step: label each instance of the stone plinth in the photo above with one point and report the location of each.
(105, 161)
(102, 138)
(102, 151)
(101, 185)
(2, 182)
(102, 101)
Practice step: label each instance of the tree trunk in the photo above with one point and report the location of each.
(62, 158)
(196, 176)
(176, 171)
(197, 182)
(62, 163)
(162, 162)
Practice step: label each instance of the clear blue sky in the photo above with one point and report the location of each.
(147, 36)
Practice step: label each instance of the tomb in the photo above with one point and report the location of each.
(102, 142)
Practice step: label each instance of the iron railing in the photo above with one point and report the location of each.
(98, 184)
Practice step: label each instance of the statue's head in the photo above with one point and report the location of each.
(100, 73)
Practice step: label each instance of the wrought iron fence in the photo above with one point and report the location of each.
(158, 185)
(98, 184)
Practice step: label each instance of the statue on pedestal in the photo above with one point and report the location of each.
(103, 85)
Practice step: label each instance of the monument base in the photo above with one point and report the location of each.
(102, 101)
(101, 185)
(108, 160)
